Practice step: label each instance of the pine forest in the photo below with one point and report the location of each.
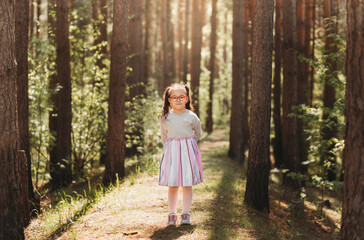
(276, 86)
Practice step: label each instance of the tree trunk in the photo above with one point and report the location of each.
(204, 44)
(225, 35)
(203, 12)
(309, 15)
(116, 114)
(23, 169)
(250, 50)
(95, 19)
(170, 41)
(147, 49)
(135, 78)
(256, 194)
(329, 90)
(135, 50)
(12, 212)
(289, 130)
(168, 45)
(103, 28)
(195, 65)
(352, 221)
(158, 43)
(98, 28)
(37, 32)
(301, 79)
(209, 119)
(236, 148)
(185, 46)
(179, 33)
(246, 70)
(53, 81)
(21, 41)
(31, 19)
(312, 56)
(277, 142)
(249, 9)
(61, 172)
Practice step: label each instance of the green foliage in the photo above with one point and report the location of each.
(221, 97)
(319, 152)
(143, 114)
(41, 66)
(89, 93)
(89, 101)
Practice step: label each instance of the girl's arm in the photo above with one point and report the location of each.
(163, 131)
(196, 128)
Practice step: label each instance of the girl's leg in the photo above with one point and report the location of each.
(187, 199)
(172, 199)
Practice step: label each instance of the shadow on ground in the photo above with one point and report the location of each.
(173, 232)
(230, 218)
(226, 208)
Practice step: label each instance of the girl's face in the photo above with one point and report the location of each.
(178, 100)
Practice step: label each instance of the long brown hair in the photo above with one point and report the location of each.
(167, 94)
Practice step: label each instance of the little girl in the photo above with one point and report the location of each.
(181, 164)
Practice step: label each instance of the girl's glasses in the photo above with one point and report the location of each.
(180, 98)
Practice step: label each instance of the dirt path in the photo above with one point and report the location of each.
(139, 211)
(138, 208)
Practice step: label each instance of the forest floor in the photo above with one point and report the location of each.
(138, 208)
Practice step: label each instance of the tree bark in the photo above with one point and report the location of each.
(158, 53)
(95, 19)
(53, 81)
(250, 50)
(329, 90)
(147, 49)
(203, 12)
(256, 194)
(277, 142)
(135, 77)
(236, 148)
(186, 40)
(289, 130)
(246, 70)
(116, 114)
(98, 28)
(21, 41)
(225, 33)
(37, 32)
(195, 65)
(12, 212)
(24, 183)
(309, 16)
(209, 119)
(179, 37)
(31, 20)
(61, 172)
(301, 79)
(135, 50)
(352, 222)
(312, 72)
(168, 44)
(103, 28)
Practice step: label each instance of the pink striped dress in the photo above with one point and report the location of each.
(181, 163)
